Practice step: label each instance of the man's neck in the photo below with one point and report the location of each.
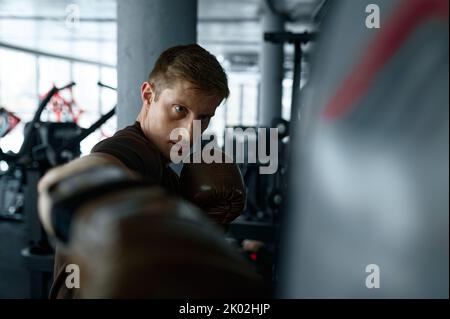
(165, 161)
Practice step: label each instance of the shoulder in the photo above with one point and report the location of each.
(131, 138)
(132, 148)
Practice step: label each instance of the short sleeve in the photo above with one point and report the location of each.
(134, 153)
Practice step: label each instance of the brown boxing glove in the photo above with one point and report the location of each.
(144, 243)
(217, 188)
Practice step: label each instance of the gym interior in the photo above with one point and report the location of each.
(333, 116)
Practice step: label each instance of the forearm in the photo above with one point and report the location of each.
(72, 170)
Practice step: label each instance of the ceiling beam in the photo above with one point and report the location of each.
(53, 55)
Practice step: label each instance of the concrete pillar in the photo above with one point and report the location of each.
(271, 63)
(144, 30)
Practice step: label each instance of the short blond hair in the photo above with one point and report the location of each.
(191, 63)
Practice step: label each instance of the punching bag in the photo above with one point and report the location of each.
(368, 205)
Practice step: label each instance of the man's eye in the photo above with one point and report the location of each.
(180, 109)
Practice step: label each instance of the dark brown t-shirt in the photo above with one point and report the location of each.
(132, 148)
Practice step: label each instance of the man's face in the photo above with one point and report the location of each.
(176, 107)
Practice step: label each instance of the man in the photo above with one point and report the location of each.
(187, 84)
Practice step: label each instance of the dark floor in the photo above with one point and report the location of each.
(14, 278)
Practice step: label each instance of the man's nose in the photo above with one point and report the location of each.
(189, 126)
(194, 128)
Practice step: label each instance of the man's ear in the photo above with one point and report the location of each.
(147, 93)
